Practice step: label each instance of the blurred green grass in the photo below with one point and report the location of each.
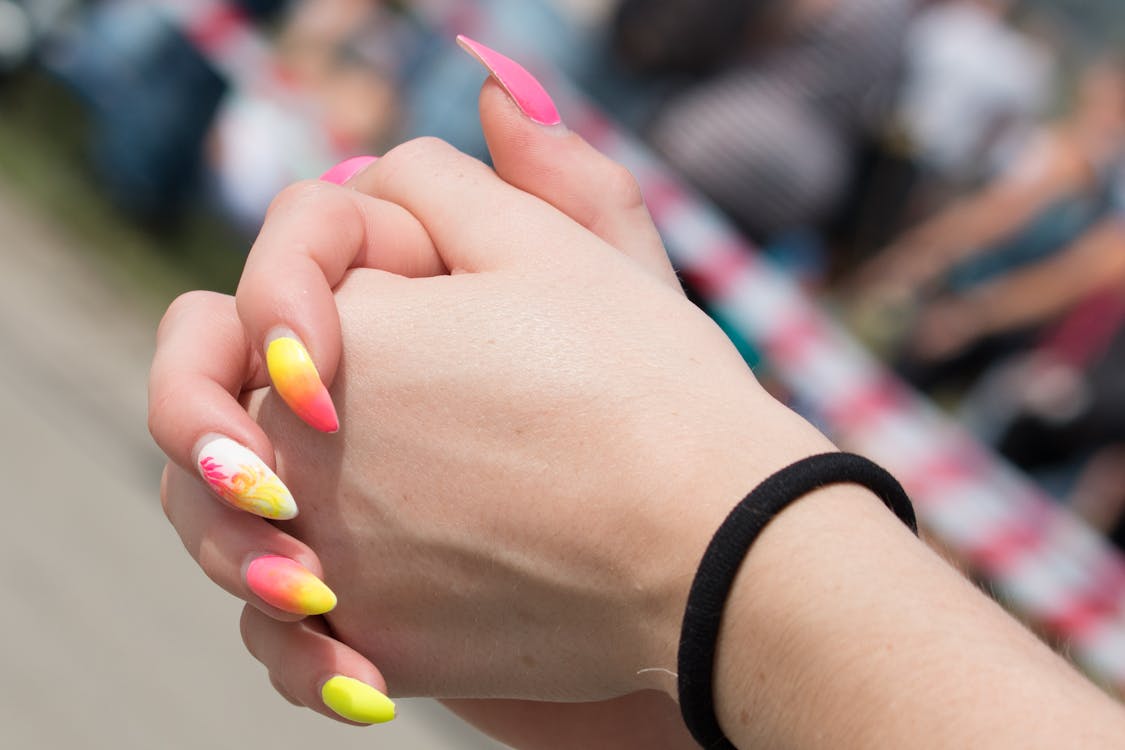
(43, 158)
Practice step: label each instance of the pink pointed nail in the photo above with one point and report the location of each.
(347, 169)
(528, 94)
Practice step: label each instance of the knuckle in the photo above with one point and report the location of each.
(165, 400)
(622, 186)
(157, 412)
(155, 423)
(184, 306)
(300, 195)
(165, 496)
(212, 553)
(426, 150)
(246, 625)
(425, 147)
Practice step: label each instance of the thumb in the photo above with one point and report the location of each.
(534, 151)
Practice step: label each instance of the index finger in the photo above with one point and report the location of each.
(313, 234)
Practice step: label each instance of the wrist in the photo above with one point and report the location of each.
(687, 532)
(788, 608)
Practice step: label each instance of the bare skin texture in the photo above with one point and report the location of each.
(534, 451)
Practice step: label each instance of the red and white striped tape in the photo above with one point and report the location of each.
(1046, 565)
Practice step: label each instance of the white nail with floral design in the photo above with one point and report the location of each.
(242, 479)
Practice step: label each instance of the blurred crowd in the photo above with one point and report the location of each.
(949, 174)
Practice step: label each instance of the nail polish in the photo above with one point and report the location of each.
(298, 383)
(348, 169)
(244, 480)
(289, 586)
(357, 701)
(528, 94)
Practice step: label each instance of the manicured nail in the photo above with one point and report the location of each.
(297, 382)
(528, 94)
(357, 701)
(348, 169)
(288, 585)
(244, 480)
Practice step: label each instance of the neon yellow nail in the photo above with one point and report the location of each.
(357, 701)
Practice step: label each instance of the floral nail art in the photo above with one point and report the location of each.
(244, 480)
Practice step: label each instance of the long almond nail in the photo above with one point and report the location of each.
(348, 169)
(289, 586)
(357, 701)
(244, 480)
(296, 380)
(528, 94)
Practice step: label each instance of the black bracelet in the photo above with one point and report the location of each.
(724, 556)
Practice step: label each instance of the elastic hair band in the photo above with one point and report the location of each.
(724, 556)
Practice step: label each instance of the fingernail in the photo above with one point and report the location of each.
(244, 480)
(357, 701)
(296, 380)
(288, 585)
(348, 169)
(528, 94)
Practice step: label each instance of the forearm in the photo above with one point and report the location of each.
(1050, 288)
(844, 631)
(965, 230)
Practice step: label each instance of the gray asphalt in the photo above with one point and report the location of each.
(110, 637)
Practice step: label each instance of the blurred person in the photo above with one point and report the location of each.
(1018, 252)
(778, 95)
(516, 512)
(334, 101)
(17, 36)
(367, 72)
(27, 24)
(974, 88)
(1068, 412)
(152, 98)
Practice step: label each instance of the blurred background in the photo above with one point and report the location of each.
(945, 179)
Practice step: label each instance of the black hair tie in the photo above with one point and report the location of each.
(724, 556)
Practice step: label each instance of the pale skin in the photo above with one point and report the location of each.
(535, 451)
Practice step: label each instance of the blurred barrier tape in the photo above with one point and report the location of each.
(1052, 569)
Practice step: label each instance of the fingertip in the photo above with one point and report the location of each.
(356, 701)
(311, 667)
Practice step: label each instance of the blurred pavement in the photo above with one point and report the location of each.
(113, 638)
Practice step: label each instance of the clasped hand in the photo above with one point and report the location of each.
(538, 431)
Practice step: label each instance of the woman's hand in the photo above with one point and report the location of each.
(205, 359)
(553, 383)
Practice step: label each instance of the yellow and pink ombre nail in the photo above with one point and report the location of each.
(242, 479)
(298, 383)
(289, 586)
